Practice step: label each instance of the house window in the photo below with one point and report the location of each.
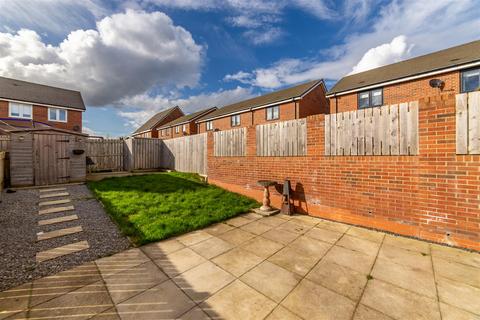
(273, 113)
(209, 125)
(184, 128)
(235, 120)
(470, 80)
(20, 110)
(55, 114)
(177, 129)
(372, 98)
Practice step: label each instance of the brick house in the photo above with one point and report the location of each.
(183, 126)
(150, 128)
(444, 72)
(291, 103)
(30, 105)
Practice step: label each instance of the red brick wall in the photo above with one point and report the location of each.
(314, 102)
(224, 123)
(402, 92)
(432, 196)
(74, 118)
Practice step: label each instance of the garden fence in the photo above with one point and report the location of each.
(468, 123)
(286, 138)
(230, 143)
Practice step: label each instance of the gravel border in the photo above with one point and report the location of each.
(19, 226)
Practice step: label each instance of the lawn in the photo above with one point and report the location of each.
(154, 207)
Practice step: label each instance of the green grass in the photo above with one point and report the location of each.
(154, 207)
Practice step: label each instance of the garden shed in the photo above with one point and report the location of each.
(46, 156)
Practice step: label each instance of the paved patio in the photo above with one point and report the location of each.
(254, 268)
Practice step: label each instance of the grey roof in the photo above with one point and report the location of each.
(269, 98)
(451, 57)
(13, 89)
(153, 121)
(188, 118)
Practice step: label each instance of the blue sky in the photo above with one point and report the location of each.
(133, 58)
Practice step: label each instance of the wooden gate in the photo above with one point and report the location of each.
(51, 158)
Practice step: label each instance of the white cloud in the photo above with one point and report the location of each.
(403, 28)
(142, 107)
(259, 37)
(126, 55)
(386, 53)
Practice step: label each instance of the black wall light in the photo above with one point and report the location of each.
(437, 83)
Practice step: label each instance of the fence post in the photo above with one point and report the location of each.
(128, 154)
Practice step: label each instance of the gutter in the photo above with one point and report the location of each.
(419, 76)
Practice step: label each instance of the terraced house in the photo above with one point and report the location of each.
(150, 128)
(183, 126)
(453, 70)
(291, 103)
(31, 105)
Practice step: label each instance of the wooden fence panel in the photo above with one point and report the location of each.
(146, 153)
(468, 123)
(282, 139)
(185, 154)
(230, 143)
(107, 154)
(4, 143)
(386, 130)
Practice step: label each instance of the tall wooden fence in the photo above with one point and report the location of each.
(186, 154)
(230, 143)
(146, 153)
(4, 143)
(286, 138)
(106, 154)
(468, 123)
(387, 130)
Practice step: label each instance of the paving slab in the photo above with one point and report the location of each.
(203, 281)
(238, 301)
(312, 301)
(56, 209)
(407, 243)
(456, 255)
(218, 229)
(179, 261)
(82, 303)
(194, 314)
(359, 244)
(399, 303)
(61, 251)
(410, 278)
(355, 260)
(458, 294)
(452, 313)
(194, 237)
(333, 226)
(58, 233)
(238, 221)
(256, 227)
(15, 300)
(457, 271)
(271, 280)
(237, 261)
(280, 313)
(324, 235)
(121, 261)
(310, 246)
(365, 313)
(294, 260)
(262, 247)
(236, 236)
(406, 257)
(128, 283)
(164, 301)
(293, 227)
(367, 234)
(57, 220)
(162, 248)
(340, 279)
(52, 189)
(280, 236)
(212, 247)
(54, 202)
(54, 195)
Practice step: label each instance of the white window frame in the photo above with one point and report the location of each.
(270, 113)
(57, 114)
(235, 120)
(463, 74)
(20, 111)
(184, 128)
(177, 129)
(209, 125)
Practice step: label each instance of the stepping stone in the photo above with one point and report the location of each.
(53, 189)
(54, 202)
(52, 195)
(58, 233)
(61, 251)
(57, 220)
(56, 209)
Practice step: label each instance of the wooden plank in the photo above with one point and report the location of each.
(403, 127)
(384, 133)
(474, 122)
(333, 136)
(377, 132)
(393, 130)
(412, 134)
(361, 132)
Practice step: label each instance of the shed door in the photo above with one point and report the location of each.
(52, 158)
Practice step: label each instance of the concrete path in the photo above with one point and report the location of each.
(250, 267)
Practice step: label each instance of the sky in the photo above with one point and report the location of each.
(131, 59)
